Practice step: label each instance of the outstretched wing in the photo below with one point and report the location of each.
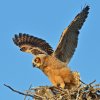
(31, 44)
(69, 38)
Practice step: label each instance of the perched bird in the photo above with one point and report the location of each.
(54, 64)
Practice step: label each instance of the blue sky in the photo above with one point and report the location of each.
(45, 19)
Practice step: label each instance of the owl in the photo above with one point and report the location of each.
(54, 63)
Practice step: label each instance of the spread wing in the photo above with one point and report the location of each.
(69, 38)
(31, 44)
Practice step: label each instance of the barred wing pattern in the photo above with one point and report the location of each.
(31, 44)
(69, 38)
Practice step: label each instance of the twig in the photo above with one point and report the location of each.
(82, 82)
(27, 92)
(18, 91)
(92, 82)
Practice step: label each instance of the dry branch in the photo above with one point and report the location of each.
(84, 92)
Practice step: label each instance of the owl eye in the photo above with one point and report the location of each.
(37, 60)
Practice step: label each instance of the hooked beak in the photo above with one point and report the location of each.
(33, 65)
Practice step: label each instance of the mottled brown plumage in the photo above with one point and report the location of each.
(32, 44)
(69, 38)
(55, 63)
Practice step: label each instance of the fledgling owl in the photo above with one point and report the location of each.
(54, 64)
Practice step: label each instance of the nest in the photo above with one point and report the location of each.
(83, 92)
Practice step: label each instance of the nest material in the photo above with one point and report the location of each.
(84, 92)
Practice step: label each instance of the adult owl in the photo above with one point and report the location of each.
(54, 64)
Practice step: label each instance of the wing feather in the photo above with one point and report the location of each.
(31, 44)
(69, 37)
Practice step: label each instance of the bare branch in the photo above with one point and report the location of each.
(18, 91)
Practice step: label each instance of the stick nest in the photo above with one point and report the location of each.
(84, 92)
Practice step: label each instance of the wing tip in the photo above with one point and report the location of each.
(86, 8)
(15, 39)
(20, 39)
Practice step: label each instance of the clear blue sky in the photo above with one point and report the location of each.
(45, 19)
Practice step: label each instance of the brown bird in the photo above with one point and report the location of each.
(54, 64)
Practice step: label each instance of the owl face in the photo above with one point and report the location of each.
(39, 61)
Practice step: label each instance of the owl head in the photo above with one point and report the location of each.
(39, 61)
